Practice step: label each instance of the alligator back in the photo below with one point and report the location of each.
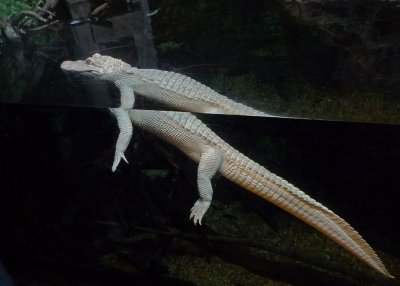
(185, 87)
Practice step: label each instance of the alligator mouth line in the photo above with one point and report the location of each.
(79, 67)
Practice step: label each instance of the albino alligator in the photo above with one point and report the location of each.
(172, 89)
(214, 155)
(197, 141)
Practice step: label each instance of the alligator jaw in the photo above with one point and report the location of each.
(80, 66)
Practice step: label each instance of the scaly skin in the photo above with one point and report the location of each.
(172, 89)
(214, 155)
(124, 137)
(197, 141)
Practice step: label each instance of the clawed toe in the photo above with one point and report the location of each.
(198, 211)
(117, 160)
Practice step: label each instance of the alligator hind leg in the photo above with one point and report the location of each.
(210, 162)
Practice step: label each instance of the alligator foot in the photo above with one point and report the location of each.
(117, 159)
(198, 210)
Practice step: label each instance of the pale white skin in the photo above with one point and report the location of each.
(197, 141)
(173, 89)
(124, 137)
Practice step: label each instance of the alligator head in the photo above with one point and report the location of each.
(96, 65)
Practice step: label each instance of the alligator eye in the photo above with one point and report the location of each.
(88, 62)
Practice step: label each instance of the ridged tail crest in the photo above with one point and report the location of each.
(250, 175)
(255, 178)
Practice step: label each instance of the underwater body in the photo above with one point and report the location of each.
(66, 211)
(143, 218)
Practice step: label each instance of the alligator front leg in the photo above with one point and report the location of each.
(124, 137)
(210, 163)
(127, 96)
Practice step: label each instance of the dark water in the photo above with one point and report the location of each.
(66, 217)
